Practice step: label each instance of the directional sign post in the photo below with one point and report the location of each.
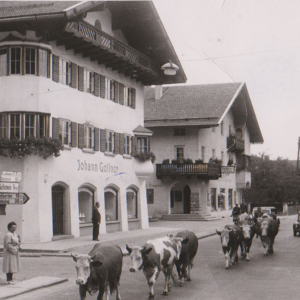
(17, 198)
(11, 176)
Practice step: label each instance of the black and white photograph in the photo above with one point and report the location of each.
(149, 150)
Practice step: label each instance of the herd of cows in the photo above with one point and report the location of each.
(101, 269)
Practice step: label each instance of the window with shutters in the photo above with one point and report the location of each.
(110, 141)
(127, 96)
(127, 144)
(65, 131)
(64, 71)
(3, 126)
(88, 136)
(3, 62)
(88, 81)
(23, 125)
(142, 144)
(109, 89)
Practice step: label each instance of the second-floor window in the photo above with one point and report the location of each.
(127, 144)
(110, 89)
(110, 141)
(127, 96)
(89, 136)
(65, 132)
(64, 71)
(179, 152)
(15, 60)
(3, 62)
(142, 144)
(3, 126)
(88, 81)
(30, 125)
(30, 61)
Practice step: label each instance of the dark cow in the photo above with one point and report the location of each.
(156, 256)
(100, 270)
(231, 238)
(268, 229)
(188, 251)
(248, 227)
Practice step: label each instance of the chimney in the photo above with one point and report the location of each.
(158, 92)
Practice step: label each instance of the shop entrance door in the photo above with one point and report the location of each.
(186, 200)
(58, 210)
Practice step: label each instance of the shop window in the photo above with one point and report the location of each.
(127, 144)
(86, 204)
(65, 131)
(132, 205)
(3, 62)
(88, 136)
(142, 144)
(111, 204)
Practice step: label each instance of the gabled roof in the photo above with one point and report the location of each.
(140, 130)
(201, 106)
(138, 21)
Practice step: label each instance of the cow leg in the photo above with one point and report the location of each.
(175, 277)
(227, 257)
(151, 275)
(167, 274)
(189, 267)
(82, 292)
(118, 296)
(106, 293)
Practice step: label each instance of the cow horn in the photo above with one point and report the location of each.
(218, 232)
(128, 249)
(91, 258)
(75, 257)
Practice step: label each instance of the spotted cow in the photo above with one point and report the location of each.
(100, 270)
(231, 238)
(268, 229)
(156, 256)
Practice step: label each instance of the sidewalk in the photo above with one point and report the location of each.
(84, 244)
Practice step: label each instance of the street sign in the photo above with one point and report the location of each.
(11, 176)
(18, 198)
(9, 187)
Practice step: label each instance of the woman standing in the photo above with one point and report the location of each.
(11, 252)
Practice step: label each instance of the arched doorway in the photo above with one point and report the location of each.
(58, 209)
(186, 200)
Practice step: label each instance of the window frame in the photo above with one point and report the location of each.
(4, 61)
(127, 144)
(88, 81)
(15, 61)
(65, 72)
(136, 216)
(61, 135)
(179, 131)
(142, 146)
(30, 127)
(30, 61)
(109, 89)
(110, 133)
(127, 96)
(178, 147)
(89, 137)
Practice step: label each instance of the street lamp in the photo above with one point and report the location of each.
(170, 68)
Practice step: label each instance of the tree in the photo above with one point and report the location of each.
(273, 181)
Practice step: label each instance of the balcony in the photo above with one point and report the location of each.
(202, 171)
(85, 39)
(235, 144)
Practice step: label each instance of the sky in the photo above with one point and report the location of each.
(256, 42)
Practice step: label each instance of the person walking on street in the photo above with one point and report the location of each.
(235, 213)
(244, 208)
(11, 249)
(96, 219)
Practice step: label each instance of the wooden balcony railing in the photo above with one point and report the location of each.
(106, 41)
(235, 144)
(205, 171)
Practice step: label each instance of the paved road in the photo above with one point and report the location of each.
(273, 277)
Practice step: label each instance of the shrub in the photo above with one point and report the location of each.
(145, 156)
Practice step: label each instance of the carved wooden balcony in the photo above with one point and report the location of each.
(92, 42)
(202, 171)
(235, 144)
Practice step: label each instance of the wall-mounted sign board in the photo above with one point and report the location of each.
(18, 198)
(8, 176)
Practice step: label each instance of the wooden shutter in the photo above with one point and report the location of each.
(80, 79)
(102, 140)
(97, 139)
(133, 98)
(102, 86)
(55, 68)
(121, 94)
(55, 128)
(117, 88)
(74, 68)
(74, 134)
(97, 84)
(80, 136)
(133, 145)
(116, 143)
(122, 143)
